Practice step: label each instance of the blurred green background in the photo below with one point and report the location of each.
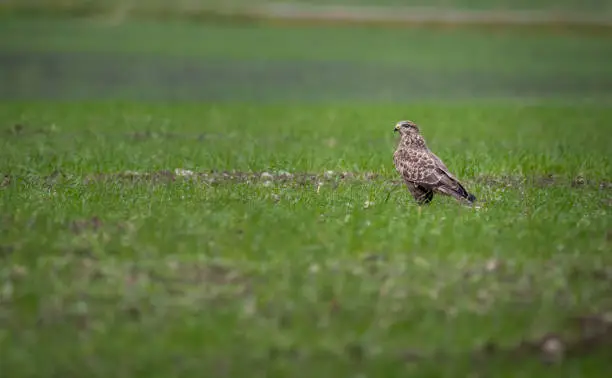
(122, 50)
(576, 5)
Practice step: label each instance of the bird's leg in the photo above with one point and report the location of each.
(425, 197)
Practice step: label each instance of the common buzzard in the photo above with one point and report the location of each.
(423, 172)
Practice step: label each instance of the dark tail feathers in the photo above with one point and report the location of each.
(464, 193)
(453, 188)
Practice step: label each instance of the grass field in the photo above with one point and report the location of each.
(235, 237)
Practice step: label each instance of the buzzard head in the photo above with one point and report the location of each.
(410, 135)
(406, 128)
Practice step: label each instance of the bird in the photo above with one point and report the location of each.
(423, 172)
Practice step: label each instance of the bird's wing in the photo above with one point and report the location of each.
(428, 169)
(440, 165)
(452, 186)
(416, 166)
(442, 181)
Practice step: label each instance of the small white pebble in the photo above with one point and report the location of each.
(183, 172)
(249, 306)
(266, 175)
(492, 265)
(553, 346)
(19, 271)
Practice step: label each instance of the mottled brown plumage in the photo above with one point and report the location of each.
(423, 172)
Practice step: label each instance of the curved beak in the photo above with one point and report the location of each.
(396, 128)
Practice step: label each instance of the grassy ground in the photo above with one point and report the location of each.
(157, 275)
(284, 244)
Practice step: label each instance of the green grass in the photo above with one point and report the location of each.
(109, 275)
(292, 249)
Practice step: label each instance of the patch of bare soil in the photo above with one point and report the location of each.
(79, 226)
(153, 134)
(213, 177)
(540, 181)
(329, 176)
(592, 333)
(299, 178)
(20, 130)
(6, 180)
